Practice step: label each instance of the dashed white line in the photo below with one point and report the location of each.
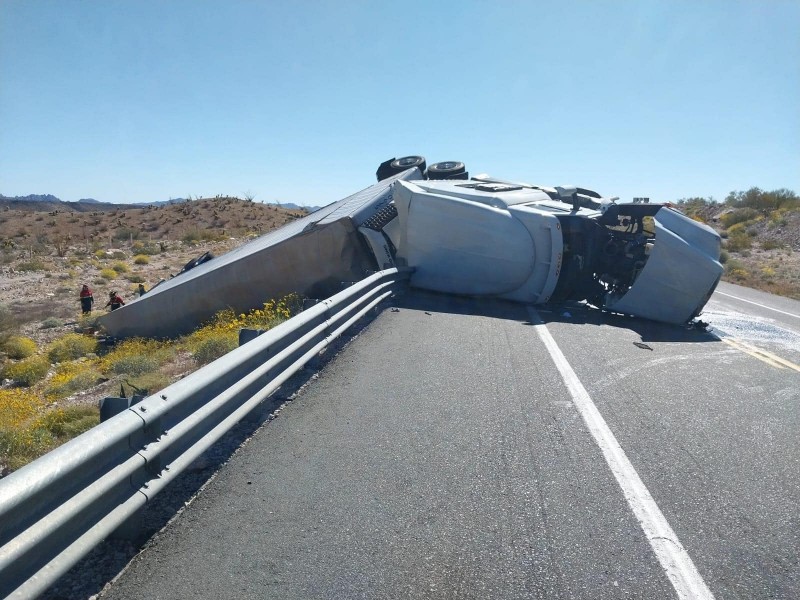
(783, 312)
(671, 554)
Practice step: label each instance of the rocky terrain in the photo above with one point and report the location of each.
(46, 255)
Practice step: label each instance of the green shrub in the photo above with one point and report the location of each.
(32, 265)
(149, 382)
(120, 267)
(22, 445)
(18, 447)
(195, 236)
(70, 422)
(100, 253)
(126, 233)
(71, 346)
(141, 248)
(723, 256)
(771, 245)
(28, 371)
(739, 215)
(739, 241)
(17, 407)
(7, 323)
(74, 377)
(136, 357)
(212, 347)
(18, 347)
(109, 274)
(134, 278)
(141, 259)
(137, 364)
(51, 322)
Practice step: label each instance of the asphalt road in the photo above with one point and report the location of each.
(460, 449)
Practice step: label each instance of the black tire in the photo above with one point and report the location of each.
(408, 162)
(393, 166)
(451, 169)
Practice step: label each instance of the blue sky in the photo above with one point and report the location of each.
(139, 100)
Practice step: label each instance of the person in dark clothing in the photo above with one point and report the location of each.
(142, 291)
(86, 299)
(114, 301)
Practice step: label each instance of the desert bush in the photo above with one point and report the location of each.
(71, 346)
(34, 264)
(120, 267)
(135, 278)
(771, 245)
(194, 236)
(221, 335)
(70, 378)
(100, 253)
(737, 228)
(18, 347)
(149, 382)
(109, 274)
(118, 255)
(28, 371)
(21, 445)
(214, 345)
(88, 321)
(724, 256)
(141, 259)
(148, 248)
(740, 215)
(17, 406)
(739, 241)
(69, 422)
(127, 233)
(51, 322)
(7, 323)
(136, 357)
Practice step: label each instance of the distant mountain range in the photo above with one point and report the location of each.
(50, 198)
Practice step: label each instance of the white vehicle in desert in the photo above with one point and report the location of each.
(478, 236)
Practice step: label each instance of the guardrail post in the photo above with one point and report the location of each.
(309, 302)
(246, 335)
(112, 405)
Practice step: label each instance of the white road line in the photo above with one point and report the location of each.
(674, 558)
(783, 312)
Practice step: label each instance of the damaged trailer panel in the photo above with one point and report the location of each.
(311, 256)
(480, 237)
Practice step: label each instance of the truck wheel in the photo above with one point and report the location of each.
(393, 166)
(451, 169)
(407, 162)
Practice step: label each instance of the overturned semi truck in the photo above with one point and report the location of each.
(477, 236)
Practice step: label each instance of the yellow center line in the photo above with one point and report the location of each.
(762, 355)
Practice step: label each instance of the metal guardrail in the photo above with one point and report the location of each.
(56, 509)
